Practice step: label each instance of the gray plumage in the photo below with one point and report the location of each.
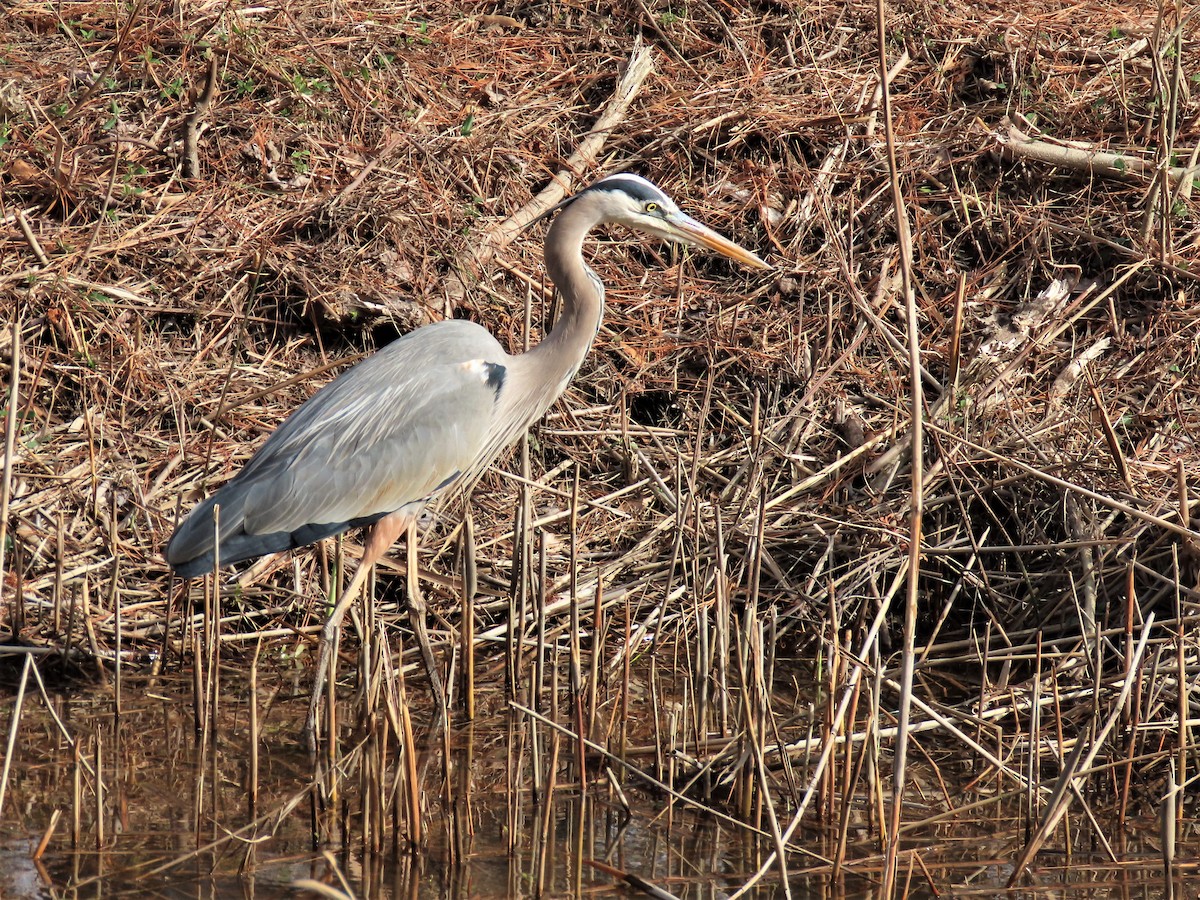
(394, 429)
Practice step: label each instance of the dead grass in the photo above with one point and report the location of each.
(739, 444)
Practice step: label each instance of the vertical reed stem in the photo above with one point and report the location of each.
(470, 588)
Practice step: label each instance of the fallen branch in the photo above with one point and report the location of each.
(191, 125)
(498, 237)
(1015, 144)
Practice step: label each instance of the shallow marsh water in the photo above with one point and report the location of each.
(171, 819)
(173, 815)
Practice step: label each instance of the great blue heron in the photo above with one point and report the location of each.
(423, 416)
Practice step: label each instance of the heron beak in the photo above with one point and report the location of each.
(689, 231)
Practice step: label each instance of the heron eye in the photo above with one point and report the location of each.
(651, 206)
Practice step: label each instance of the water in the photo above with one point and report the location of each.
(173, 817)
(492, 808)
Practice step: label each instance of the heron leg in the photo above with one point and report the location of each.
(416, 616)
(382, 535)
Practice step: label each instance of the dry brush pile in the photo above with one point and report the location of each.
(207, 211)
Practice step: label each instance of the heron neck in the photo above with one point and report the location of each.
(561, 352)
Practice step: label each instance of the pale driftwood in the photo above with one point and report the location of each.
(1016, 144)
(498, 237)
(191, 125)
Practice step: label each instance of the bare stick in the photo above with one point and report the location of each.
(639, 66)
(1015, 143)
(191, 125)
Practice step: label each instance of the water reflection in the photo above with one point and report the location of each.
(186, 797)
(142, 803)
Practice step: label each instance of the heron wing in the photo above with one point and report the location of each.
(393, 430)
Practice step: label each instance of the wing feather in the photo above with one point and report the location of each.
(393, 430)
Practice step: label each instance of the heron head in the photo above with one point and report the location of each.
(632, 201)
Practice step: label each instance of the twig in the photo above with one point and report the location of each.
(639, 66)
(191, 125)
(1015, 143)
(389, 144)
(31, 238)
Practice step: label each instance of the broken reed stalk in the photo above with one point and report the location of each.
(448, 798)
(76, 794)
(47, 835)
(467, 633)
(1033, 770)
(252, 775)
(1183, 744)
(114, 603)
(834, 669)
(371, 778)
(1132, 714)
(13, 727)
(377, 755)
(10, 445)
(917, 462)
(98, 765)
(515, 761)
(599, 645)
(541, 694)
(209, 751)
(330, 751)
(1168, 831)
(412, 781)
(56, 597)
(758, 740)
(575, 660)
(542, 831)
